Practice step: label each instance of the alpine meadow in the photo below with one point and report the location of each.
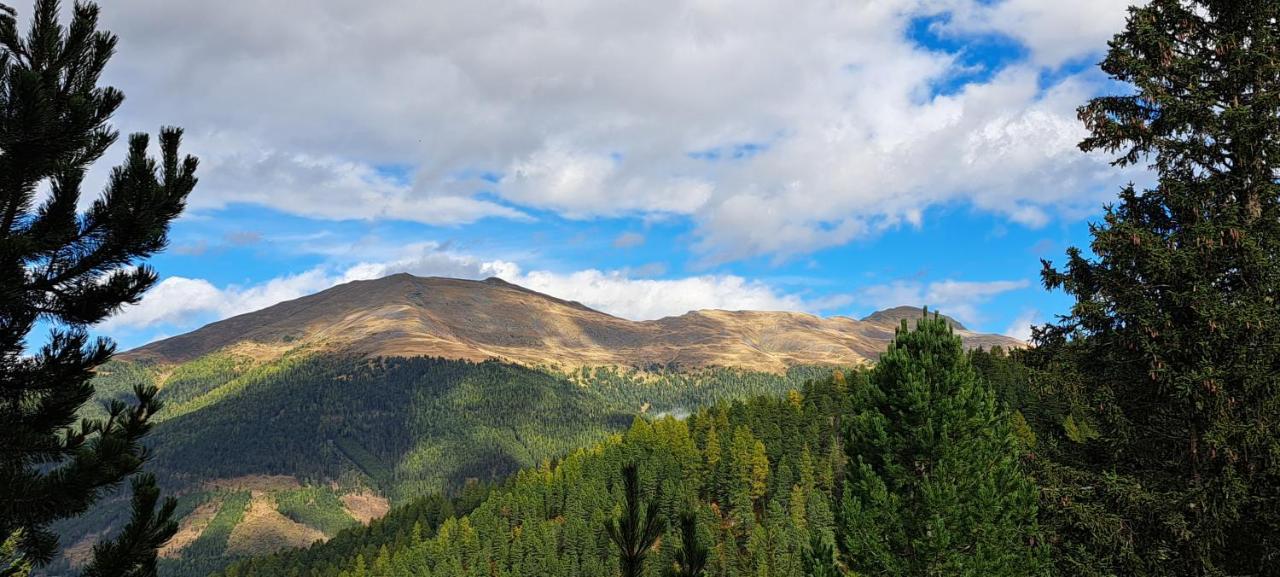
(684, 288)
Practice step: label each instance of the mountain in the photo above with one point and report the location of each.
(404, 315)
(285, 425)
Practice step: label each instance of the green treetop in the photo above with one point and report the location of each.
(934, 485)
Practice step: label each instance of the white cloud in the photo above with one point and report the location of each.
(432, 259)
(1053, 31)
(591, 109)
(181, 301)
(957, 299)
(641, 299)
(185, 302)
(1020, 328)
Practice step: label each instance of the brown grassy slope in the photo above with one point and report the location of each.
(413, 316)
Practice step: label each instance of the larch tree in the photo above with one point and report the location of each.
(67, 269)
(1175, 329)
(934, 485)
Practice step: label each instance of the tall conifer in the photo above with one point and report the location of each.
(934, 485)
(68, 270)
(1175, 332)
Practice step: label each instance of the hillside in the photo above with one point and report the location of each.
(408, 316)
(284, 425)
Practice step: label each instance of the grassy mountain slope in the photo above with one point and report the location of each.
(404, 315)
(392, 389)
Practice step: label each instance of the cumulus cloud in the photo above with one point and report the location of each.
(957, 299)
(1054, 32)
(641, 299)
(181, 301)
(1020, 328)
(185, 302)
(586, 109)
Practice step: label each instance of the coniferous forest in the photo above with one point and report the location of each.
(1138, 433)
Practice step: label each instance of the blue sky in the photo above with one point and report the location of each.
(643, 160)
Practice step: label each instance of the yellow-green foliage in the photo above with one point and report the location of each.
(1022, 430)
(317, 507)
(1079, 430)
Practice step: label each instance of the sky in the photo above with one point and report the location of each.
(645, 158)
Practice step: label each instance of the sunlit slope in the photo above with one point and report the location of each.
(404, 315)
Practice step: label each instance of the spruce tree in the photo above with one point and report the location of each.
(1175, 330)
(638, 529)
(934, 485)
(67, 270)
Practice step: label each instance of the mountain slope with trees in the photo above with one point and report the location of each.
(761, 478)
(302, 394)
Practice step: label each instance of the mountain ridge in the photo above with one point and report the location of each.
(476, 320)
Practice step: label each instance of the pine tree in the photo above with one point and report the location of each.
(1175, 330)
(69, 270)
(638, 529)
(691, 559)
(934, 486)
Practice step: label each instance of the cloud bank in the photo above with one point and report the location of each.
(776, 128)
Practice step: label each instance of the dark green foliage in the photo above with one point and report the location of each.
(402, 526)
(213, 540)
(133, 552)
(820, 559)
(407, 427)
(546, 521)
(691, 559)
(70, 270)
(639, 527)
(1171, 344)
(934, 485)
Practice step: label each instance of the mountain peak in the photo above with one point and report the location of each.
(406, 315)
(894, 316)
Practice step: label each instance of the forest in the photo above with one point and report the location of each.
(765, 478)
(398, 427)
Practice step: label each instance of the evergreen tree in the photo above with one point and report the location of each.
(70, 270)
(638, 530)
(934, 486)
(691, 559)
(1175, 330)
(820, 559)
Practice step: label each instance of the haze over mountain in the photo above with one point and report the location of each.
(407, 316)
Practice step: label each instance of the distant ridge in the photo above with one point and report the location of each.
(406, 315)
(896, 315)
